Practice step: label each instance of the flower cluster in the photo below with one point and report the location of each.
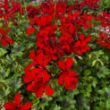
(37, 78)
(59, 29)
(81, 4)
(104, 40)
(7, 11)
(104, 18)
(57, 36)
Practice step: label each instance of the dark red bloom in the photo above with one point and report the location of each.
(93, 4)
(104, 18)
(79, 5)
(16, 104)
(104, 40)
(32, 11)
(47, 7)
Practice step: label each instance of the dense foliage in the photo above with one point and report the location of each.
(55, 55)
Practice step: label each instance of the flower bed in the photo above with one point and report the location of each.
(54, 55)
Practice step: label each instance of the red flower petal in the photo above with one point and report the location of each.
(72, 73)
(49, 91)
(46, 75)
(26, 106)
(32, 54)
(28, 68)
(89, 38)
(9, 40)
(30, 30)
(17, 99)
(61, 64)
(9, 105)
(69, 63)
(81, 36)
(39, 93)
(31, 87)
(61, 79)
(4, 43)
(27, 78)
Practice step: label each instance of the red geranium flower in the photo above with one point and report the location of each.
(40, 58)
(4, 38)
(67, 77)
(47, 7)
(43, 20)
(37, 80)
(81, 45)
(32, 11)
(104, 18)
(16, 104)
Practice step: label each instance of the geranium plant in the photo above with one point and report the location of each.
(53, 49)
